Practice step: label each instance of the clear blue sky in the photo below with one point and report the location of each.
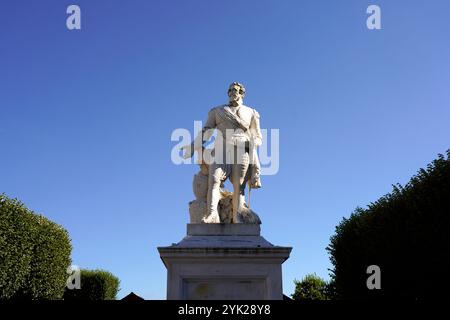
(86, 116)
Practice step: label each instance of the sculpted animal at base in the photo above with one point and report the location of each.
(198, 208)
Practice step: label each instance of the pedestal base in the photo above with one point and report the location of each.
(224, 261)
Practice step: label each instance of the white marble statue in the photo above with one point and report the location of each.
(234, 157)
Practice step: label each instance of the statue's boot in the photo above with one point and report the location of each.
(212, 218)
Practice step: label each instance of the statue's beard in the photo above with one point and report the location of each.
(236, 99)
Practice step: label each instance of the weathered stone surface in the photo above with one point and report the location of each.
(224, 261)
(223, 229)
(234, 157)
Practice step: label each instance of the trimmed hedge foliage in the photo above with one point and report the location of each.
(95, 285)
(406, 233)
(34, 254)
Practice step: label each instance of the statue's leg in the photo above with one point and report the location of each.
(239, 180)
(216, 176)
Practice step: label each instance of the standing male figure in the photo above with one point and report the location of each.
(235, 156)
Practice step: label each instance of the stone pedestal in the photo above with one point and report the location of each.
(224, 261)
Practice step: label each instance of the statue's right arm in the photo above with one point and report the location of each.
(208, 128)
(204, 135)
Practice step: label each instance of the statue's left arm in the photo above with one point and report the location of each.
(256, 136)
(255, 128)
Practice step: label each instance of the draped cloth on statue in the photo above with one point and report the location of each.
(244, 134)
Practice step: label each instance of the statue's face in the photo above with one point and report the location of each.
(234, 93)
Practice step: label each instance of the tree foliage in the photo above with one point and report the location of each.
(312, 287)
(95, 285)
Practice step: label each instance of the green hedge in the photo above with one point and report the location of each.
(95, 285)
(406, 233)
(34, 254)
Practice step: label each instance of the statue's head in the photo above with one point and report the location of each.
(236, 92)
